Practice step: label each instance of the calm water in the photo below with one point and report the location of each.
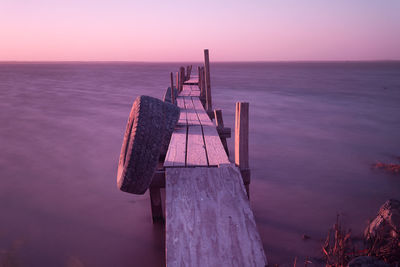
(315, 130)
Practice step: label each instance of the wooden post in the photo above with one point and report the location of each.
(207, 80)
(242, 141)
(156, 204)
(177, 81)
(202, 86)
(188, 72)
(220, 124)
(198, 77)
(182, 77)
(172, 89)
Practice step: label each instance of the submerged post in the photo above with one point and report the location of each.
(207, 80)
(172, 89)
(242, 141)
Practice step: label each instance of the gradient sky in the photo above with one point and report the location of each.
(176, 30)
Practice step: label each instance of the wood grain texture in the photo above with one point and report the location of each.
(207, 80)
(182, 116)
(192, 118)
(216, 153)
(196, 151)
(193, 80)
(208, 219)
(176, 154)
(242, 135)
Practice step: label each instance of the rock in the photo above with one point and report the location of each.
(386, 225)
(367, 261)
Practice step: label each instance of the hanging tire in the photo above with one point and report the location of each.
(150, 125)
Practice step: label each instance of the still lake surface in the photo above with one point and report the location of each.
(315, 130)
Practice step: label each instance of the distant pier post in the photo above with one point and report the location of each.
(172, 89)
(207, 80)
(177, 81)
(182, 77)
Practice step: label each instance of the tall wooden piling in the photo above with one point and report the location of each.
(172, 89)
(182, 77)
(207, 80)
(188, 72)
(177, 82)
(242, 141)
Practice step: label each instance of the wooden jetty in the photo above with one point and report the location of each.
(208, 217)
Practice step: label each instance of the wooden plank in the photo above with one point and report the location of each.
(196, 152)
(195, 93)
(192, 118)
(208, 219)
(176, 154)
(194, 80)
(201, 113)
(182, 117)
(216, 153)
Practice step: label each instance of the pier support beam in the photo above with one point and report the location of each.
(220, 128)
(156, 205)
(242, 142)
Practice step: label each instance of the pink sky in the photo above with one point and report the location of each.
(179, 30)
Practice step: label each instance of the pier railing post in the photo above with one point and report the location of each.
(207, 80)
(242, 141)
(202, 86)
(182, 77)
(177, 81)
(172, 89)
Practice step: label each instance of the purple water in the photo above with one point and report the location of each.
(315, 130)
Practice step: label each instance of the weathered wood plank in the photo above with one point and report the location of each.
(182, 116)
(192, 118)
(201, 113)
(215, 150)
(193, 80)
(208, 219)
(196, 152)
(176, 154)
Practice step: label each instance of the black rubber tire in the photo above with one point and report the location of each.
(150, 125)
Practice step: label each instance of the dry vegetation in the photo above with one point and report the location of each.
(390, 167)
(339, 248)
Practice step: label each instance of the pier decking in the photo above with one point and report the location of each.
(209, 221)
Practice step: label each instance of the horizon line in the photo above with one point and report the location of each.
(213, 61)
